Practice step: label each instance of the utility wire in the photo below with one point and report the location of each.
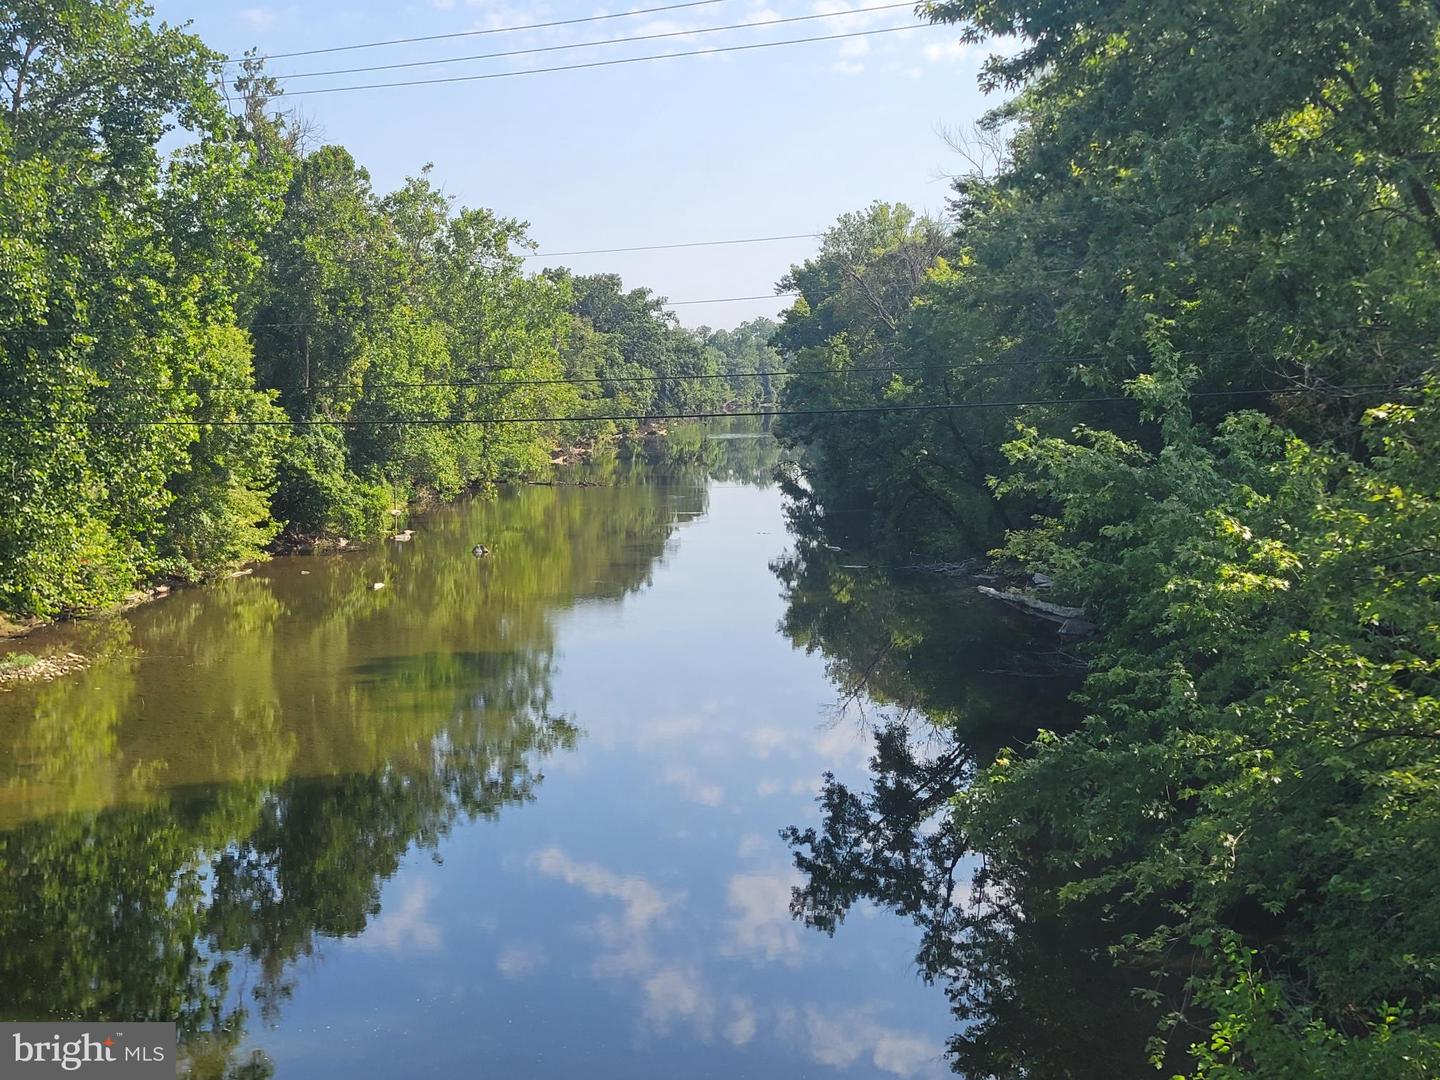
(610, 63)
(729, 299)
(698, 415)
(566, 381)
(597, 43)
(473, 33)
(670, 247)
(94, 331)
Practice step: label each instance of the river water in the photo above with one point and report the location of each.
(516, 816)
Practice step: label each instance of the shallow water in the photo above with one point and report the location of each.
(514, 816)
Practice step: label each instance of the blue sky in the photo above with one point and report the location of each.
(773, 141)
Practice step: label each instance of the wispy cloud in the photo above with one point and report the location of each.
(674, 993)
(643, 904)
(760, 925)
(693, 786)
(840, 1039)
(406, 926)
(517, 961)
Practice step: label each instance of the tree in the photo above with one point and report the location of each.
(650, 342)
(746, 355)
(1259, 756)
(116, 322)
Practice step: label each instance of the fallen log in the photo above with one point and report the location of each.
(1055, 612)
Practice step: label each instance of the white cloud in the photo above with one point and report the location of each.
(693, 786)
(855, 47)
(743, 1025)
(752, 844)
(674, 727)
(406, 926)
(764, 740)
(760, 924)
(846, 67)
(674, 994)
(839, 1039)
(625, 947)
(518, 961)
(903, 1053)
(807, 785)
(642, 902)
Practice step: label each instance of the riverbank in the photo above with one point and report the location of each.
(645, 438)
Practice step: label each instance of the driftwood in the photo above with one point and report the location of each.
(1071, 619)
(1043, 608)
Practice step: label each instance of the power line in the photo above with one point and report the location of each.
(611, 63)
(697, 415)
(505, 384)
(473, 33)
(728, 299)
(596, 44)
(669, 247)
(95, 331)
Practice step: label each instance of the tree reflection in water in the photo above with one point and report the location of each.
(1032, 985)
(244, 767)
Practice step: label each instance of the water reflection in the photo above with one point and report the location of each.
(1032, 988)
(305, 669)
(242, 768)
(288, 810)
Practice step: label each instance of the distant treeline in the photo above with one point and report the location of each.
(200, 349)
(1176, 340)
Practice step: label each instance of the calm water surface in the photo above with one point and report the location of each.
(510, 817)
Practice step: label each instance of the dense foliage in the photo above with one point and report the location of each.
(202, 347)
(749, 359)
(1180, 327)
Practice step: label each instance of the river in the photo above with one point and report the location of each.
(515, 816)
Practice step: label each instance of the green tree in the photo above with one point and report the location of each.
(658, 359)
(116, 313)
(746, 355)
(1259, 752)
